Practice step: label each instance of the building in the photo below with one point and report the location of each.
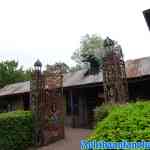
(83, 92)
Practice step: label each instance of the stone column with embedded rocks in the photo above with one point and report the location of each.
(114, 74)
(47, 105)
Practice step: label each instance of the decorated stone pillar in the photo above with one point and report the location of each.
(47, 105)
(36, 89)
(114, 74)
(55, 110)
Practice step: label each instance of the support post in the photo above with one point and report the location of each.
(72, 109)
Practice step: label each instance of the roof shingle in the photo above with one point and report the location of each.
(134, 68)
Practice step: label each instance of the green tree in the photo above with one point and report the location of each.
(76, 68)
(10, 73)
(27, 74)
(90, 51)
(58, 66)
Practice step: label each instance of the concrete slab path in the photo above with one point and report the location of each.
(71, 141)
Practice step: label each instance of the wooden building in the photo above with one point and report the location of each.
(83, 92)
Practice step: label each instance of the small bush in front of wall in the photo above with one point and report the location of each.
(102, 111)
(129, 122)
(16, 130)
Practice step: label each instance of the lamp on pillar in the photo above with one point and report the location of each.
(38, 65)
(108, 45)
(108, 42)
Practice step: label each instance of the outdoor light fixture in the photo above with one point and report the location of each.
(38, 65)
(108, 45)
(146, 14)
(108, 42)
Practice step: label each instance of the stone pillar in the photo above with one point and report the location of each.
(47, 105)
(36, 87)
(114, 74)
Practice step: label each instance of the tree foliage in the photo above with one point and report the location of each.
(75, 68)
(11, 73)
(89, 51)
(58, 66)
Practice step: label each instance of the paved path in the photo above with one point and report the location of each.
(71, 141)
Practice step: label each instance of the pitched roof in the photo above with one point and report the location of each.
(80, 78)
(16, 88)
(138, 67)
(134, 68)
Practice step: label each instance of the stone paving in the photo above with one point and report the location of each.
(71, 141)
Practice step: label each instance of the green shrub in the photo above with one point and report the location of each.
(15, 130)
(102, 111)
(129, 122)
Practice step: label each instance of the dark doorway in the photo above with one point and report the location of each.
(26, 101)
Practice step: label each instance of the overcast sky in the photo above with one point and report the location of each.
(51, 29)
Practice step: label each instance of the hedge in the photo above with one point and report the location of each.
(129, 122)
(16, 130)
(102, 111)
